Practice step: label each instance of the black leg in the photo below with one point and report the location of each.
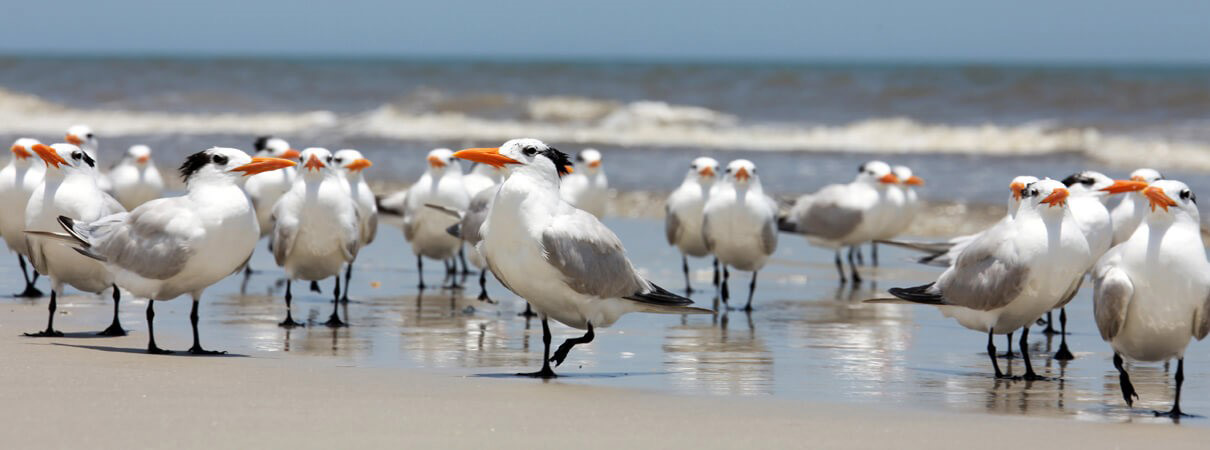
(546, 372)
(334, 319)
(856, 250)
(50, 330)
(853, 273)
(197, 343)
(1050, 329)
(344, 296)
(462, 258)
(751, 290)
(1064, 354)
(1029, 368)
(991, 352)
(151, 347)
(561, 353)
(1128, 392)
(726, 277)
(840, 268)
(315, 287)
(115, 328)
(483, 297)
(289, 322)
(1009, 353)
(874, 253)
(529, 312)
(716, 273)
(685, 268)
(30, 291)
(420, 271)
(451, 273)
(1175, 413)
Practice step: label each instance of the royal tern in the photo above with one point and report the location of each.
(1151, 294)
(1129, 213)
(587, 187)
(350, 163)
(1012, 273)
(316, 229)
(467, 229)
(683, 214)
(561, 259)
(83, 137)
(904, 204)
(70, 189)
(265, 188)
(425, 227)
(181, 245)
(135, 179)
(739, 223)
(843, 215)
(17, 181)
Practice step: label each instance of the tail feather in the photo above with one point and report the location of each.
(661, 301)
(387, 209)
(918, 294)
(786, 226)
(933, 248)
(69, 225)
(455, 230)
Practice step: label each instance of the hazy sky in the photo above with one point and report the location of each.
(1073, 31)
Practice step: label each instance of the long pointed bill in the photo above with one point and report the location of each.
(313, 163)
(20, 152)
(74, 140)
(291, 154)
(742, 174)
(1057, 198)
(1158, 198)
(359, 164)
(436, 162)
(1017, 187)
(49, 156)
(1124, 186)
(914, 181)
(261, 165)
(489, 156)
(706, 171)
(143, 159)
(595, 164)
(889, 178)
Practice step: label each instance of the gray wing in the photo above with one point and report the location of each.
(822, 215)
(110, 205)
(284, 231)
(590, 256)
(985, 275)
(768, 236)
(476, 214)
(672, 225)
(1201, 321)
(371, 228)
(1111, 294)
(154, 241)
(706, 236)
(1071, 291)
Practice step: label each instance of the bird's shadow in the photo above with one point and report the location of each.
(573, 376)
(143, 351)
(75, 335)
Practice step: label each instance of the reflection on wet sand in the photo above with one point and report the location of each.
(719, 357)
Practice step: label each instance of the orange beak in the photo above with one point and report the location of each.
(49, 156)
(1138, 178)
(742, 174)
(1057, 198)
(291, 154)
(74, 140)
(914, 181)
(706, 171)
(20, 152)
(436, 162)
(1017, 188)
(261, 165)
(313, 163)
(359, 164)
(490, 156)
(889, 178)
(1124, 186)
(143, 159)
(1158, 198)
(595, 164)
(570, 168)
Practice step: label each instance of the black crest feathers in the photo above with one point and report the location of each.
(561, 160)
(194, 163)
(261, 142)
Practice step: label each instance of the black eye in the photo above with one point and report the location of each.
(76, 155)
(89, 135)
(219, 159)
(728, 170)
(338, 160)
(529, 151)
(1188, 195)
(329, 159)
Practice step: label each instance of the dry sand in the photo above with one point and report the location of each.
(78, 392)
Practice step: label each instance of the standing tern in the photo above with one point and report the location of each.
(904, 202)
(1129, 213)
(424, 227)
(18, 180)
(1151, 294)
(135, 179)
(174, 246)
(843, 215)
(683, 214)
(1012, 273)
(350, 164)
(739, 223)
(266, 188)
(468, 229)
(70, 189)
(316, 229)
(587, 187)
(561, 259)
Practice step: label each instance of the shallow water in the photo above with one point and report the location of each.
(808, 339)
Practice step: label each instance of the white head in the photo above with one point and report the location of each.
(1088, 182)
(905, 177)
(1171, 200)
(1146, 175)
(589, 160)
(1046, 196)
(441, 159)
(316, 163)
(81, 136)
(23, 151)
(350, 162)
(139, 154)
(741, 173)
(63, 160)
(274, 147)
(703, 169)
(876, 173)
(226, 165)
(528, 156)
(1015, 189)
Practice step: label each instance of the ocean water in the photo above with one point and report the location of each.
(967, 129)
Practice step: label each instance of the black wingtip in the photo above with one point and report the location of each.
(660, 296)
(917, 294)
(785, 225)
(69, 225)
(455, 230)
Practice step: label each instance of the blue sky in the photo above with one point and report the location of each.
(1071, 31)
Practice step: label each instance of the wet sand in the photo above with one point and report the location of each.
(812, 365)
